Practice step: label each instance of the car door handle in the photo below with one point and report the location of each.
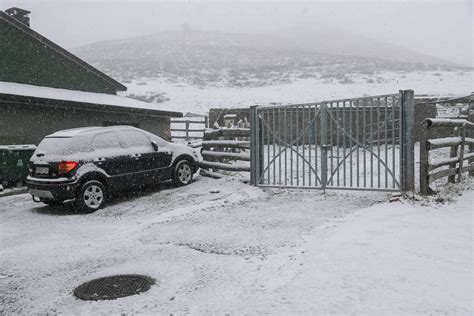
(101, 159)
(136, 156)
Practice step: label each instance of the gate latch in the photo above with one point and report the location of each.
(326, 147)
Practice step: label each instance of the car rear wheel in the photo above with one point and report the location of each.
(183, 173)
(91, 196)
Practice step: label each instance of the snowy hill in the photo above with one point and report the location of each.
(240, 60)
(334, 41)
(192, 71)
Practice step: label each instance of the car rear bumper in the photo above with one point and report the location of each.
(52, 189)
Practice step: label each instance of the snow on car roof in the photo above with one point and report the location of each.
(91, 129)
(73, 95)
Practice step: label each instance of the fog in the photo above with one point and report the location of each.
(441, 29)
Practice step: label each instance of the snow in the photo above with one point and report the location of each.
(188, 98)
(443, 161)
(220, 154)
(468, 155)
(220, 246)
(73, 95)
(445, 141)
(225, 166)
(18, 147)
(397, 258)
(443, 121)
(235, 143)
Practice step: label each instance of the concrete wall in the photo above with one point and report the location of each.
(28, 124)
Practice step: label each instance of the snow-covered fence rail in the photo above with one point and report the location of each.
(225, 149)
(462, 135)
(188, 128)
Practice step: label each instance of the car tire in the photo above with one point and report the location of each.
(91, 196)
(182, 173)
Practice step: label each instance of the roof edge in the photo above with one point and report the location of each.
(99, 107)
(62, 51)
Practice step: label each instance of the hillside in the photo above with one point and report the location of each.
(204, 59)
(334, 41)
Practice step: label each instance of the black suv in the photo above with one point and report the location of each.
(86, 164)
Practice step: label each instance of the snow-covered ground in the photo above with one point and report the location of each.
(243, 250)
(188, 98)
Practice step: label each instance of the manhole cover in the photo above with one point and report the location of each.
(110, 288)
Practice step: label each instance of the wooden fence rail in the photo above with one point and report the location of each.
(221, 147)
(190, 128)
(457, 141)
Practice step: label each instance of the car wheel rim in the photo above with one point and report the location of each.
(184, 173)
(93, 196)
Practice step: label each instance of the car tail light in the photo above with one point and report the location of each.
(65, 167)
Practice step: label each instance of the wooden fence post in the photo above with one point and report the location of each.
(424, 159)
(461, 151)
(456, 141)
(453, 154)
(470, 134)
(187, 130)
(253, 145)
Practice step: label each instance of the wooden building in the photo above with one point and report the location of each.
(45, 88)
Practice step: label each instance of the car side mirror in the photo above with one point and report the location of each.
(155, 145)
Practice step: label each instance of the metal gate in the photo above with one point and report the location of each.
(358, 144)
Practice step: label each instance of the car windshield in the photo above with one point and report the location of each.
(63, 145)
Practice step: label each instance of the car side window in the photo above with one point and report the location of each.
(106, 141)
(136, 140)
(161, 142)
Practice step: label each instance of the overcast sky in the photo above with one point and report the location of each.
(438, 28)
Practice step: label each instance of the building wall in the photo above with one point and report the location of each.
(24, 59)
(29, 124)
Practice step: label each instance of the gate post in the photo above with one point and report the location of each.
(324, 146)
(256, 146)
(407, 145)
(253, 145)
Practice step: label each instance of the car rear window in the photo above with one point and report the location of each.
(135, 139)
(106, 140)
(63, 145)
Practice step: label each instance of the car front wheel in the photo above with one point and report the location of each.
(183, 173)
(91, 196)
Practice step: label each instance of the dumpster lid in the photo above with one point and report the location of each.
(18, 147)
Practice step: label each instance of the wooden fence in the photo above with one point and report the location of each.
(460, 136)
(188, 128)
(221, 147)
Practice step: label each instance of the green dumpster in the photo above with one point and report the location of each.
(14, 163)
